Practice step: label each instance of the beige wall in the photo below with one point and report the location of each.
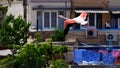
(16, 9)
(114, 3)
(88, 3)
(96, 3)
(57, 5)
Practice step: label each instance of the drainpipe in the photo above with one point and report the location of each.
(25, 9)
(71, 1)
(65, 7)
(37, 24)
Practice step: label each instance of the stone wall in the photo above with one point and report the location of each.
(43, 35)
(81, 35)
(99, 38)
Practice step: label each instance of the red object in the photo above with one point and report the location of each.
(117, 60)
(68, 21)
(75, 20)
(83, 15)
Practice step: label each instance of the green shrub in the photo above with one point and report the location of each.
(59, 64)
(29, 57)
(14, 31)
(34, 56)
(58, 35)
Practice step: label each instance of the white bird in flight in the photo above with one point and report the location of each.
(69, 22)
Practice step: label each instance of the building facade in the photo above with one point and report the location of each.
(98, 13)
(43, 14)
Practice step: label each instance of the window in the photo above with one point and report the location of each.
(60, 20)
(99, 21)
(119, 23)
(114, 23)
(48, 20)
(39, 20)
(53, 19)
(91, 19)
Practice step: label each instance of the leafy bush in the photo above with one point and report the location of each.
(8, 62)
(38, 39)
(34, 56)
(3, 9)
(59, 64)
(14, 31)
(58, 35)
(29, 57)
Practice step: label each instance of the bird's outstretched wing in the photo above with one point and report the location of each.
(69, 22)
(81, 19)
(83, 15)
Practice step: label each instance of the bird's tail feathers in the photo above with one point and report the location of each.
(84, 23)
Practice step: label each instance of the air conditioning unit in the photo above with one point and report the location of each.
(90, 33)
(111, 37)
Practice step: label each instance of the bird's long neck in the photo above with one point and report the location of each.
(63, 17)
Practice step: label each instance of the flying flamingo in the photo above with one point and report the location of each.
(70, 22)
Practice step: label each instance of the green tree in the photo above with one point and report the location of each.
(38, 39)
(58, 35)
(29, 57)
(59, 64)
(4, 9)
(34, 56)
(14, 31)
(9, 1)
